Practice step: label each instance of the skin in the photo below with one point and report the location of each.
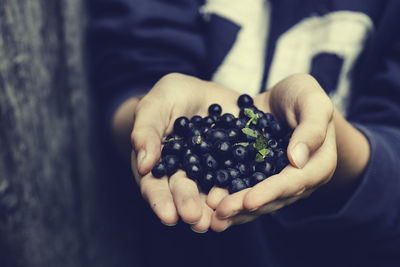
(326, 152)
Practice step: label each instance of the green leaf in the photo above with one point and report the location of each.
(264, 151)
(241, 144)
(259, 158)
(249, 132)
(249, 113)
(260, 143)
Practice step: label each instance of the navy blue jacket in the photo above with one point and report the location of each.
(353, 50)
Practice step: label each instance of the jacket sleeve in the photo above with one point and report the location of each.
(375, 110)
(133, 43)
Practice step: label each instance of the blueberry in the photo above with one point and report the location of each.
(272, 143)
(276, 128)
(270, 157)
(245, 101)
(223, 149)
(207, 181)
(208, 121)
(257, 177)
(265, 167)
(222, 178)
(173, 148)
(236, 185)
(280, 153)
(196, 120)
(214, 110)
(269, 116)
(233, 135)
(209, 162)
(243, 169)
(233, 173)
(199, 145)
(193, 171)
(240, 123)
(181, 126)
(240, 153)
(215, 135)
(228, 163)
(226, 121)
(171, 163)
(190, 159)
(159, 170)
(246, 180)
(262, 123)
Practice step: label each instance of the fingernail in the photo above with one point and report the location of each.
(229, 223)
(199, 232)
(167, 224)
(300, 155)
(140, 157)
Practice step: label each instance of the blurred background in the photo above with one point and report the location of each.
(59, 204)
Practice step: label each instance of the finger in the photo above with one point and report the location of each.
(215, 196)
(294, 182)
(231, 204)
(186, 197)
(147, 132)
(158, 195)
(220, 224)
(314, 111)
(204, 223)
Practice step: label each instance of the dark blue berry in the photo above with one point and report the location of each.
(243, 169)
(193, 171)
(209, 162)
(257, 177)
(272, 143)
(181, 126)
(265, 167)
(214, 110)
(222, 178)
(240, 123)
(207, 181)
(228, 163)
(236, 185)
(233, 173)
(245, 101)
(208, 121)
(196, 120)
(233, 135)
(171, 163)
(215, 135)
(223, 149)
(173, 148)
(159, 170)
(190, 159)
(240, 153)
(226, 121)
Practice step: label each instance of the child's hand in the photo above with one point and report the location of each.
(303, 104)
(173, 96)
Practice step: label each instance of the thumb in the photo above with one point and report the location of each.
(314, 112)
(147, 132)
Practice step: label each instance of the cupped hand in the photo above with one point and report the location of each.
(300, 102)
(173, 96)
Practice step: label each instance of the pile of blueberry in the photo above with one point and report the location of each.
(222, 150)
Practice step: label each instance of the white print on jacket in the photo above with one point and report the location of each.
(243, 67)
(342, 33)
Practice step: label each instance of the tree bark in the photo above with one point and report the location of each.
(44, 127)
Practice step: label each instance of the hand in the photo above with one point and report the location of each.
(173, 96)
(302, 103)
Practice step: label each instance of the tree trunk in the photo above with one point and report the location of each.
(44, 127)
